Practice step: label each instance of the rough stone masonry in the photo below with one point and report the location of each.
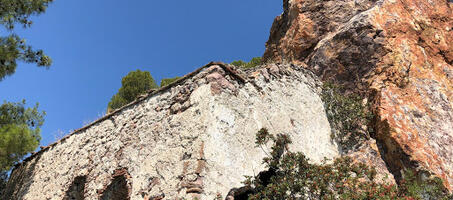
(192, 139)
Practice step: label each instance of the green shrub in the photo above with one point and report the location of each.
(238, 63)
(251, 64)
(291, 176)
(348, 116)
(167, 81)
(430, 188)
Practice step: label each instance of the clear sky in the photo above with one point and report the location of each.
(94, 43)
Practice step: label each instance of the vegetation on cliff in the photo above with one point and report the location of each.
(254, 62)
(348, 115)
(291, 176)
(167, 81)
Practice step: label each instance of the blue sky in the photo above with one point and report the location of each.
(94, 43)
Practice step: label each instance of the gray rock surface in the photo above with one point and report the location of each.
(192, 139)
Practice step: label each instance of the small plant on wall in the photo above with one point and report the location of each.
(348, 115)
(254, 62)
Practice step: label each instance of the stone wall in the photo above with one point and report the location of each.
(192, 139)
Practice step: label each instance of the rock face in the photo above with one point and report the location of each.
(191, 139)
(397, 52)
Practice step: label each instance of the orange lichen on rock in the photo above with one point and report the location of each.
(418, 109)
(397, 52)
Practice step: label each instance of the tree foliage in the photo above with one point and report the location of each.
(19, 132)
(251, 64)
(12, 47)
(133, 84)
(167, 81)
(291, 176)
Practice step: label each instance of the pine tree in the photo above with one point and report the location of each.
(133, 84)
(19, 132)
(19, 126)
(12, 47)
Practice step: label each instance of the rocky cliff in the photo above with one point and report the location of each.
(192, 139)
(397, 53)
